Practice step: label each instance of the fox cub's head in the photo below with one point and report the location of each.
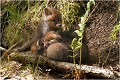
(53, 18)
(50, 38)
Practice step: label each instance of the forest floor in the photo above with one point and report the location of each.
(13, 70)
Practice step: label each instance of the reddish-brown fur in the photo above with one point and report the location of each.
(36, 47)
(58, 51)
(54, 48)
(51, 37)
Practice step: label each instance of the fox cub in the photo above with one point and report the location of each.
(57, 49)
(51, 20)
(37, 47)
(49, 38)
(54, 48)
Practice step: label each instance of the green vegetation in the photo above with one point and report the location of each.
(22, 17)
(77, 43)
(71, 13)
(115, 31)
(113, 38)
(16, 20)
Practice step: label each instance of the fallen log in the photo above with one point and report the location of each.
(94, 71)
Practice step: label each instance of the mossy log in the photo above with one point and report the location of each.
(26, 58)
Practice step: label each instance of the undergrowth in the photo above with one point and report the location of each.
(77, 43)
(20, 18)
(23, 16)
(113, 38)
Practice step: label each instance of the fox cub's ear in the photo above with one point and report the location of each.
(42, 40)
(48, 14)
(48, 11)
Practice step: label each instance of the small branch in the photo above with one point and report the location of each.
(2, 49)
(13, 46)
(7, 51)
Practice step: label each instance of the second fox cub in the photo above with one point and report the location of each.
(58, 51)
(54, 48)
(37, 47)
(51, 20)
(49, 38)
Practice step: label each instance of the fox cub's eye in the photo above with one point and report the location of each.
(49, 39)
(53, 20)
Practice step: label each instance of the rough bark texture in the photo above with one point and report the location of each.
(94, 71)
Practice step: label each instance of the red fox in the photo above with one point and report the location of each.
(37, 47)
(50, 38)
(58, 50)
(54, 48)
(51, 20)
